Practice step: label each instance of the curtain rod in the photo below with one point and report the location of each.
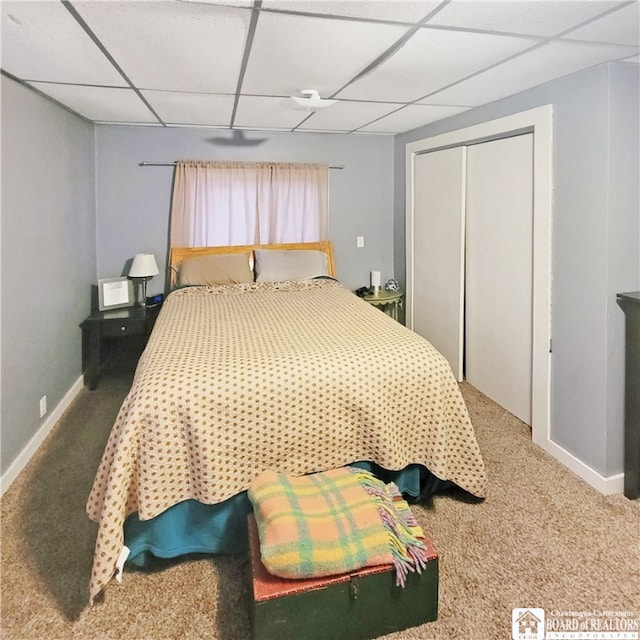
(144, 163)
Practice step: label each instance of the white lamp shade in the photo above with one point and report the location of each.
(143, 266)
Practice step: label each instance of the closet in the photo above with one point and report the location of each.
(472, 233)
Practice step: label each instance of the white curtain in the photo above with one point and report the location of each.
(232, 203)
(293, 203)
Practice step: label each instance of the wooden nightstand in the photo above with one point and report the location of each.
(105, 332)
(389, 301)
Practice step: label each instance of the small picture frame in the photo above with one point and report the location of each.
(114, 293)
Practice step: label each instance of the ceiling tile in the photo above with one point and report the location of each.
(191, 108)
(42, 41)
(411, 117)
(100, 104)
(619, 27)
(291, 53)
(235, 3)
(528, 70)
(430, 60)
(393, 10)
(263, 112)
(347, 116)
(532, 17)
(185, 56)
(173, 46)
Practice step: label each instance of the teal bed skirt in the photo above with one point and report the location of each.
(192, 527)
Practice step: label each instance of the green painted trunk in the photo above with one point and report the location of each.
(363, 604)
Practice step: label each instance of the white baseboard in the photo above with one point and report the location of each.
(33, 445)
(606, 485)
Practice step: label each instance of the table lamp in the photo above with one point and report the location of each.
(143, 267)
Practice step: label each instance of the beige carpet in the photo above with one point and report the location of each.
(542, 538)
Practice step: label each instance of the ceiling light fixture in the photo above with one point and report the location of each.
(310, 100)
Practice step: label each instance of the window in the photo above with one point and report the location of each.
(233, 203)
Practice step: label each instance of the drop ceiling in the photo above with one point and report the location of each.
(391, 65)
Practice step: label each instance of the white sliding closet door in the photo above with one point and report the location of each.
(438, 252)
(499, 259)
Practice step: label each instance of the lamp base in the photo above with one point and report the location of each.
(141, 301)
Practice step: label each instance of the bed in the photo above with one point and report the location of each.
(260, 359)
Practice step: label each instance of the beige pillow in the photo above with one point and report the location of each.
(276, 265)
(229, 268)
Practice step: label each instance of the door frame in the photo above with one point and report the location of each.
(539, 121)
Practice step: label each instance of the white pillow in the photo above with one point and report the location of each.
(277, 265)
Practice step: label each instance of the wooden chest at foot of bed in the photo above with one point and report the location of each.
(354, 606)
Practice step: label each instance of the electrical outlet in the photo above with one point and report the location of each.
(43, 406)
(359, 242)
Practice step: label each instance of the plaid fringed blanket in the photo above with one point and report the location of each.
(334, 522)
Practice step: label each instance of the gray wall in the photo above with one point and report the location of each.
(133, 202)
(623, 233)
(48, 257)
(595, 245)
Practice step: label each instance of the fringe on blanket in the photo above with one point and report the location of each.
(407, 548)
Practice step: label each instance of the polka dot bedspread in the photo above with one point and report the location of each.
(296, 377)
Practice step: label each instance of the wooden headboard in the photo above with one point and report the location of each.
(178, 254)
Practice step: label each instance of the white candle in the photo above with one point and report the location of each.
(375, 279)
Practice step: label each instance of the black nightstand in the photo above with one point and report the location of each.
(105, 333)
(630, 303)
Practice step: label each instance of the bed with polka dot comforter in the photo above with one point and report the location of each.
(296, 377)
